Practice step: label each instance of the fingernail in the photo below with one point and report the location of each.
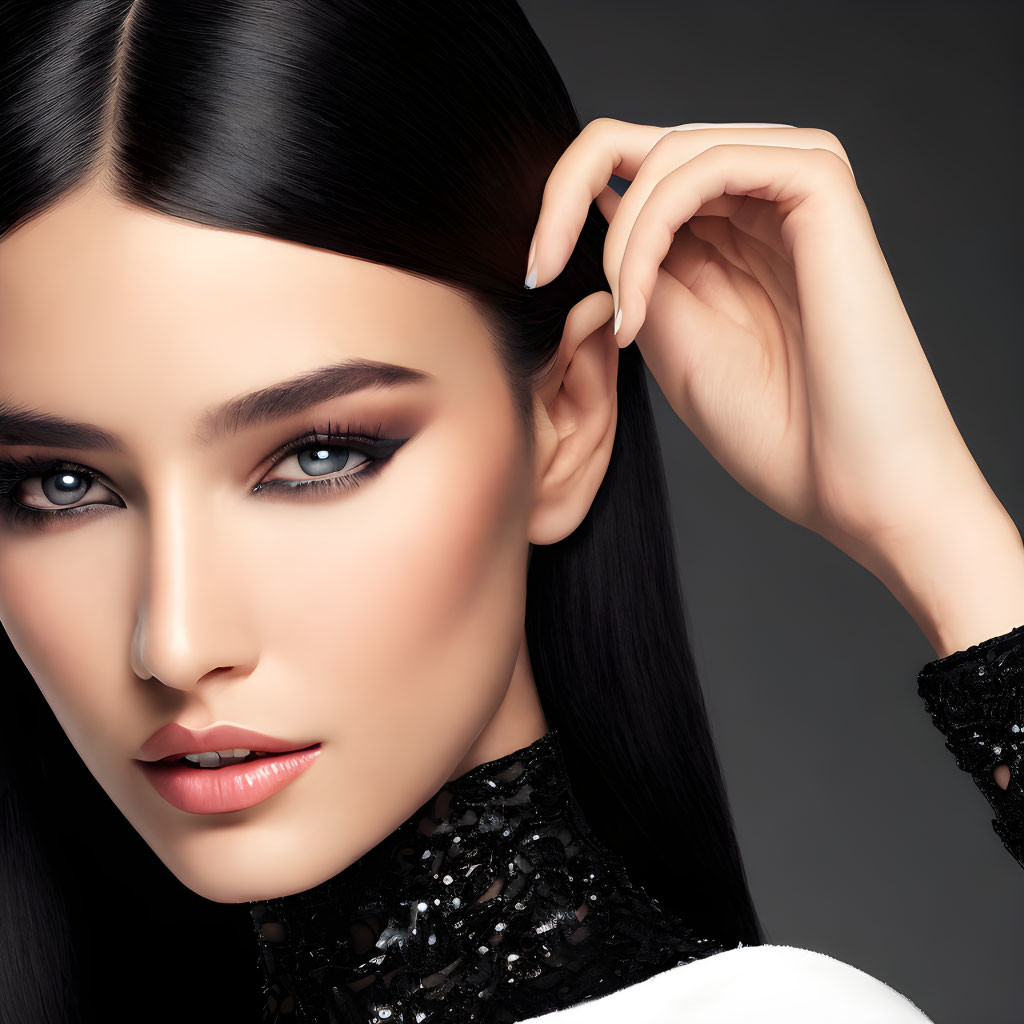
(618, 322)
(531, 270)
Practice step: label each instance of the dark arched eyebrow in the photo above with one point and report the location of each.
(274, 402)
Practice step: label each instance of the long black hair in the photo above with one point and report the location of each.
(413, 133)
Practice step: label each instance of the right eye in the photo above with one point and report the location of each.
(61, 487)
(41, 491)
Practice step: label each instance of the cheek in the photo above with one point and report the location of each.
(409, 595)
(67, 623)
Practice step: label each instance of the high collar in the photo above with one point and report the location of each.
(493, 903)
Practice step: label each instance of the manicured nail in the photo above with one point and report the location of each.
(618, 322)
(531, 270)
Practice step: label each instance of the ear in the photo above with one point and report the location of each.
(575, 414)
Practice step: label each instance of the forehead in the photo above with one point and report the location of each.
(103, 301)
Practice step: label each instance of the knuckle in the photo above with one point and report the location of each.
(599, 125)
(830, 165)
(825, 138)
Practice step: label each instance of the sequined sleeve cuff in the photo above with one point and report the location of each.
(976, 699)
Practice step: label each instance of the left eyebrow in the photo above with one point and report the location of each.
(274, 402)
(298, 393)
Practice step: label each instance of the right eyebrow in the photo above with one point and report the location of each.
(276, 401)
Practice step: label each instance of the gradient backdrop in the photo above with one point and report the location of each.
(861, 837)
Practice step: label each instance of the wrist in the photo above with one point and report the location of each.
(960, 577)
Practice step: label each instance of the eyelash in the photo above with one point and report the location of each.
(14, 472)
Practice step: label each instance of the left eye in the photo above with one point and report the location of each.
(312, 466)
(320, 460)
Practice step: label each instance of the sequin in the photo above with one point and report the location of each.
(525, 911)
(976, 699)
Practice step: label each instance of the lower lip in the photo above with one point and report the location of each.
(231, 788)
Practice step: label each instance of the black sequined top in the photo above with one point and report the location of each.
(976, 698)
(493, 903)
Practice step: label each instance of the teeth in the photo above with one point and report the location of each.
(216, 758)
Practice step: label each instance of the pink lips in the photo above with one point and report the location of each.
(229, 788)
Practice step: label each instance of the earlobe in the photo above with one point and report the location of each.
(575, 417)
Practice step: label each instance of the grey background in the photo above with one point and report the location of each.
(861, 838)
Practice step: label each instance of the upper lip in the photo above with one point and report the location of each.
(175, 740)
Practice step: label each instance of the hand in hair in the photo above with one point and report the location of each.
(743, 262)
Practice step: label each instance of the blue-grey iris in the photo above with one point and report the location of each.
(64, 487)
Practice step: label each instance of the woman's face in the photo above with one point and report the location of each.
(377, 613)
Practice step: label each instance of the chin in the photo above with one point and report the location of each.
(229, 884)
(231, 890)
(241, 864)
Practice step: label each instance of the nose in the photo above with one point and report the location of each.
(192, 610)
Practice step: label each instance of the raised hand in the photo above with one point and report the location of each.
(743, 261)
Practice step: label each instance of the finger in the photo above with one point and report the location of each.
(608, 202)
(751, 255)
(735, 280)
(782, 174)
(717, 280)
(581, 174)
(760, 219)
(729, 124)
(675, 149)
(606, 146)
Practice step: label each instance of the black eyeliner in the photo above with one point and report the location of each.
(357, 437)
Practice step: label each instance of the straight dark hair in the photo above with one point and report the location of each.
(417, 134)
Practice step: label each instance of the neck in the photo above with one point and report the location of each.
(494, 903)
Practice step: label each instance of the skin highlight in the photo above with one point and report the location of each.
(384, 620)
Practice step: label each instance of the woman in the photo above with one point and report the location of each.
(244, 247)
